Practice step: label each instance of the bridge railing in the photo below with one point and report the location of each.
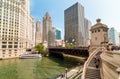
(110, 63)
(88, 61)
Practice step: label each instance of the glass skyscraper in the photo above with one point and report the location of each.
(113, 36)
(58, 34)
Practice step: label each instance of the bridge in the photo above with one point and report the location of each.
(75, 51)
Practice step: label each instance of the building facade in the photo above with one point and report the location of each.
(113, 36)
(38, 33)
(99, 34)
(47, 29)
(74, 24)
(51, 37)
(87, 26)
(58, 34)
(15, 20)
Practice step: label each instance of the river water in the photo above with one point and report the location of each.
(43, 68)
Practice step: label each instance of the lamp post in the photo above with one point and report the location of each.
(79, 67)
(66, 72)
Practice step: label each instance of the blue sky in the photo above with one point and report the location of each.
(107, 10)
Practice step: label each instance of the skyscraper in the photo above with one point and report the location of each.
(38, 33)
(87, 25)
(51, 37)
(74, 24)
(57, 34)
(113, 36)
(47, 28)
(15, 20)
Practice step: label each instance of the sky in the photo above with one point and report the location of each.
(107, 10)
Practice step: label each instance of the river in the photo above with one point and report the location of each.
(43, 68)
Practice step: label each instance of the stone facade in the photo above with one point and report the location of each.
(16, 28)
(110, 64)
(48, 31)
(99, 34)
(38, 33)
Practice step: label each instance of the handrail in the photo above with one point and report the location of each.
(111, 60)
(106, 58)
(88, 61)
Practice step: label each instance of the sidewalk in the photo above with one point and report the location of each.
(71, 72)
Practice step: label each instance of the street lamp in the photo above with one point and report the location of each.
(66, 72)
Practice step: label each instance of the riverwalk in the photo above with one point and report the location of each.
(72, 73)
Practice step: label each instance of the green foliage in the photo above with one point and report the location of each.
(70, 45)
(40, 48)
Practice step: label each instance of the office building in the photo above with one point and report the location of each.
(51, 37)
(74, 24)
(58, 34)
(38, 33)
(16, 28)
(87, 26)
(113, 36)
(47, 28)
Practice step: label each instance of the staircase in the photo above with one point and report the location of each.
(93, 72)
(90, 71)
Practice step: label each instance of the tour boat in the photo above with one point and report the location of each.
(27, 56)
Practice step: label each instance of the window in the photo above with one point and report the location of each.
(10, 42)
(3, 50)
(92, 31)
(4, 42)
(9, 46)
(4, 46)
(98, 30)
(95, 30)
(15, 46)
(16, 42)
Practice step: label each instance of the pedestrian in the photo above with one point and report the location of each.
(62, 75)
(95, 59)
(97, 64)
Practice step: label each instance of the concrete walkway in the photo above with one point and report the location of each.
(71, 72)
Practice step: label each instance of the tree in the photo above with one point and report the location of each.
(40, 48)
(70, 45)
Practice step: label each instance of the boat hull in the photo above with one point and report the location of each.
(29, 56)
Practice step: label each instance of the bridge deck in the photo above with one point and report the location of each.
(81, 51)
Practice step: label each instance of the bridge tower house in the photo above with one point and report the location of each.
(99, 34)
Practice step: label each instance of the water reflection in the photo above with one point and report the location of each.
(43, 68)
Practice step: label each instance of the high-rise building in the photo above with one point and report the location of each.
(87, 25)
(38, 33)
(58, 34)
(51, 37)
(119, 38)
(113, 36)
(74, 24)
(16, 28)
(47, 28)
